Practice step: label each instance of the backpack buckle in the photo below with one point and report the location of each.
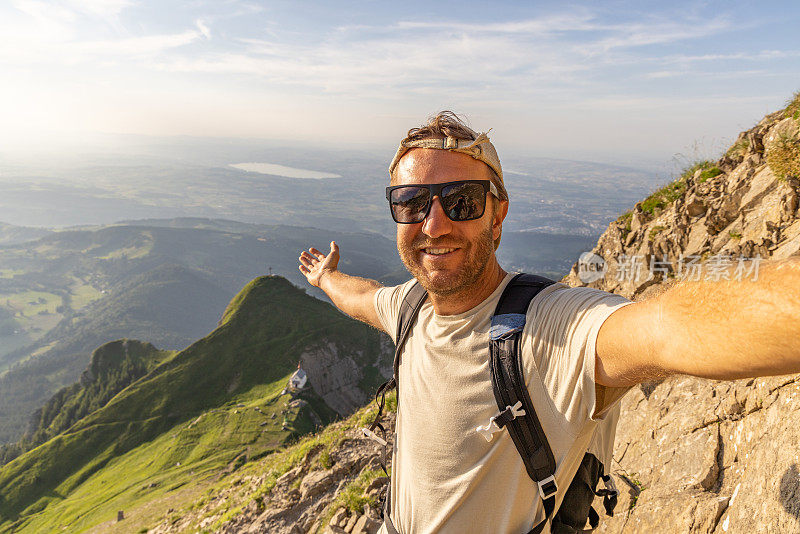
(488, 430)
(373, 436)
(547, 487)
(500, 420)
(611, 488)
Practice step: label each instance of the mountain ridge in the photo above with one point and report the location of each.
(237, 371)
(159, 284)
(113, 367)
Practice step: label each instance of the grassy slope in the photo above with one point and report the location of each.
(210, 502)
(167, 305)
(10, 233)
(187, 455)
(144, 432)
(160, 284)
(113, 367)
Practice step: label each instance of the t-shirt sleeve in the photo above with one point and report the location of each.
(563, 325)
(387, 302)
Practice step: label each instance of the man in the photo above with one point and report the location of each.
(582, 348)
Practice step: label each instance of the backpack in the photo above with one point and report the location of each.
(517, 413)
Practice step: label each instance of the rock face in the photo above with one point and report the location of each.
(703, 456)
(739, 207)
(695, 455)
(335, 377)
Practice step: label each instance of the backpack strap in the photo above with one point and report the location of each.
(409, 309)
(517, 411)
(609, 494)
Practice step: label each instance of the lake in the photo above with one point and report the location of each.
(283, 170)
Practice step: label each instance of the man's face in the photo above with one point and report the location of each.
(447, 257)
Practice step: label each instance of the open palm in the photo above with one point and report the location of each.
(314, 264)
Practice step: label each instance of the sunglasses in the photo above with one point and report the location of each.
(462, 200)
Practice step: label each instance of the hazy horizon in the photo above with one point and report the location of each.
(633, 83)
(63, 151)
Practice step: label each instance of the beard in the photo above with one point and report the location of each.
(477, 253)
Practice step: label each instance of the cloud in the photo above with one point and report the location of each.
(386, 66)
(463, 59)
(392, 60)
(741, 56)
(99, 8)
(36, 35)
(203, 28)
(89, 52)
(44, 12)
(145, 46)
(423, 57)
(659, 32)
(612, 35)
(663, 74)
(643, 103)
(39, 21)
(549, 24)
(552, 56)
(544, 66)
(68, 11)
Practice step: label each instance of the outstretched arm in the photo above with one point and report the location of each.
(351, 294)
(722, 330)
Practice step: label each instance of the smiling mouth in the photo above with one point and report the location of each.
(438, 251)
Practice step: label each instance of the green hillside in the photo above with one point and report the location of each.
(53, 280)
(162, 281)
(205, 408)
(168, 305)
(113, 367)
(10, 234)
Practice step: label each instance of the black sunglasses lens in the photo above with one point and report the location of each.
(409, 204)
(464, 202)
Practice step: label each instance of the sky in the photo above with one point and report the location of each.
(614, 81)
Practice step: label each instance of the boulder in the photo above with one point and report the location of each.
(314, 483)
(365, 525)
(351, 523)
(339, 517)
(695, 207)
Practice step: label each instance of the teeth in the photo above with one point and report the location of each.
(438, 251)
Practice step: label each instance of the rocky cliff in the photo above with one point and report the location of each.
(696, 455)
(337, 377)
(742, 206)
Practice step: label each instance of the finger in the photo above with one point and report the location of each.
(334, 247)
(306, 262)
(316, 253)
(308, 257)
(303, 269)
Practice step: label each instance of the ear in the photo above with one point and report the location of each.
(500, 212)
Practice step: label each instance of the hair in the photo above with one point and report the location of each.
(443, 124)
(449, 124)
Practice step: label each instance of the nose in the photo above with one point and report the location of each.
(437, 223)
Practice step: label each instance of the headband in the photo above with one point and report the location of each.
(479, 148)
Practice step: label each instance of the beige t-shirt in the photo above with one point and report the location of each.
(445, 476)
